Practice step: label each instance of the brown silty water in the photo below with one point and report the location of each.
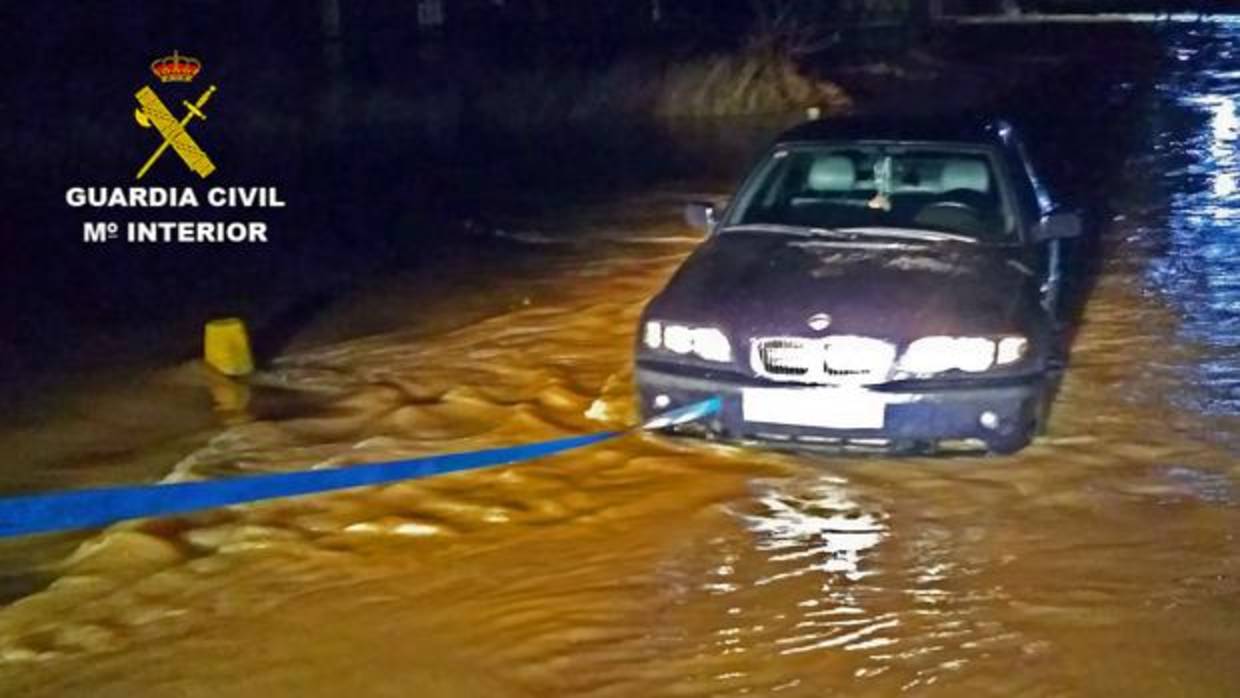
(1100, 561)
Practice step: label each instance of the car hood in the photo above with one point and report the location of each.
(767, 284)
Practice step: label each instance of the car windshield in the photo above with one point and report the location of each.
(872, 188)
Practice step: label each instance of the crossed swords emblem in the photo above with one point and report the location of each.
(152, 112)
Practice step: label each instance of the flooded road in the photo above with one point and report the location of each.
(1103, 560)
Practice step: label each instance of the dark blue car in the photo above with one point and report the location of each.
(873, 283)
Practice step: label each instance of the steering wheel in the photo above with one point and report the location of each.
(971, 199)
(953, 205)
(960, 210)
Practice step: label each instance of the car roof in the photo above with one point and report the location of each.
(961, 128)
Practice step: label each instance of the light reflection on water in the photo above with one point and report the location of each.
(1195, 265)
(821, 529)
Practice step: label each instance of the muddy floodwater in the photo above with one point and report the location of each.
(1102, 560)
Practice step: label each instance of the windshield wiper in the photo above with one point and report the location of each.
(799, 230)
(910, 234)
(851, 233)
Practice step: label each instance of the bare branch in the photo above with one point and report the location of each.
(791, 27)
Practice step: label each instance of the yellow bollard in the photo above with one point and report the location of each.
(226, 347)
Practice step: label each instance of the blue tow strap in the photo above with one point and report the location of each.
(65, 511)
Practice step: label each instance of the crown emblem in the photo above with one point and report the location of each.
(176, 68)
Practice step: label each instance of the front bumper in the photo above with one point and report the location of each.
(1001, 413)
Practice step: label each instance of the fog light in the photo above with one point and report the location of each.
(989, 420)
(661, 401)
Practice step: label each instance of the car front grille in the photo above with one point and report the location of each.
(826, 360)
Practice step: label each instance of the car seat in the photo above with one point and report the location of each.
(834, 173)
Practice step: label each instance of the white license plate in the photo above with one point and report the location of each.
(826, 408)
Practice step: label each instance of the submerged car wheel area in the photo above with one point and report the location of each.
(873, 284)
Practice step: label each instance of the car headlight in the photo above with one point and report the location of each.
(711, 344)
(930, 355)
(652, 336)
(708, 343)
(1011, 350)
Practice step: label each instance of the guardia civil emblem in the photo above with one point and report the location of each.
(153, 113)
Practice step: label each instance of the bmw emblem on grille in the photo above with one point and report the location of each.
(819, 321)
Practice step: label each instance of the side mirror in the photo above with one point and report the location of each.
(701, 215)
(1057, 226)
